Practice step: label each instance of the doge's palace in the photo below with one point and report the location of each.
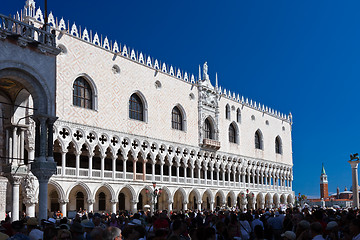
(125, 120)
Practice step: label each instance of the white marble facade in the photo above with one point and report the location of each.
(107, 161)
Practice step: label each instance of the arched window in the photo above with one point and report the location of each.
(238, 115)
(232, 134)
(227, 111)
(278, 145)
(176, 119)
(82, 93)
(136, 108)
(102, 201)
(208, 131)
(258, 140)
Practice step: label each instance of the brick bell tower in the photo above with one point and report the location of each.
(323, 184)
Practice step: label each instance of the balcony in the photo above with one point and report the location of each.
(26, 34)
(211, 143)
(96, 174)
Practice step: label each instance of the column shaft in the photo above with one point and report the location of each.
(15, 202)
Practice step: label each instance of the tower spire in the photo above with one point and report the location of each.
(323, 170)
(323, 183)
(216, 81)
(199, 73)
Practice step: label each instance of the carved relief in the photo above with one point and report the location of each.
(28, 187)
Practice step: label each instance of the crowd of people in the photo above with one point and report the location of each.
(269, 224)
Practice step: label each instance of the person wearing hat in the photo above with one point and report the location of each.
(77, 231)
(316, 231)
(97, 221)
(288, 235)
(332, 231)
(88, 227)
(33, 229)
(18, 231)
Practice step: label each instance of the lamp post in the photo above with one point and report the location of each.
(155, 194)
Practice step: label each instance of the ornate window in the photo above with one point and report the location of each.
(227, 111)
(82, 93)
(136, 108)
(232, 134)
(176, 119)
(238, 115)
(208, 131)
(258, 140)
(278, 145)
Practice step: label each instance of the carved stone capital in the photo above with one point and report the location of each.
(30, 201)
(91, 201)
(15, 179)
(134, 201)
(43, 170)
(64, 201)
(114, 201)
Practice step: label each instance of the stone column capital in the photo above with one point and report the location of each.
(64, 201)
(354, 164)
(15, 179)
(91, 201)
(114, 201)
(134, 201)
(43, 170)
(30, 201)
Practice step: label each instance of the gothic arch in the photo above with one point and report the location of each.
(209, 192)
(196, 192)
(221, 193)
(183, 115)
(236, 133)
(84, 186)
(108, 186)
(259, 140)
(94, 89)
(145, 187)
(183, 193)
(58, 188)
(131, 189)
(144, 102)
(166, 189)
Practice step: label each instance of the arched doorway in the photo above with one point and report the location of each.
(80, 200)
(102, 201)
(54, 201)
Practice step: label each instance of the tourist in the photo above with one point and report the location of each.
(316, 231)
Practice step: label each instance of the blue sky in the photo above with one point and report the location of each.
(294, 56)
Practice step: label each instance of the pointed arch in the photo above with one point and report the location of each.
(178, 118)
(58, 188)
(84, 186)
(234, 133)
(138, 107)
(107, 186)
(227, 111)
(209, 128)
(131, 189)
(259, 140)
(168, 192)
(211, 195)
(183, 193)
(84, 92)
(238, 115)
(278, 145)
